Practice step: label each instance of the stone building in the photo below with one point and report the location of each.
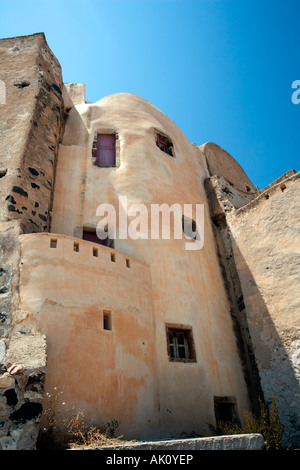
(152, 332)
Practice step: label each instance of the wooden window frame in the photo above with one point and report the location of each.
(188, 346)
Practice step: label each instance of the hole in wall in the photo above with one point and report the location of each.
(107, 323)
(26, 412)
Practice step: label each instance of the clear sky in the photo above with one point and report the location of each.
(222, 70)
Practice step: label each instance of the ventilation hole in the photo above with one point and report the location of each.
(128, 263)
(53, 243)
(76, 247)
(113, 257)
(26, 412)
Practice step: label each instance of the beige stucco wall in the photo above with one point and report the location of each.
(176, 286)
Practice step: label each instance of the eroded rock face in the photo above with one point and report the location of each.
(21, 391)
(261, 240)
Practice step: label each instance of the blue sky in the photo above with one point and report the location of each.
(222, 70)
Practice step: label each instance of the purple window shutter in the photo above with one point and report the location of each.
(106, 150)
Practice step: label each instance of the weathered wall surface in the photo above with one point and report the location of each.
(187, 286)
(31, 123)
(264, 241)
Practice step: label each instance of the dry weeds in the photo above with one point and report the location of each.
(83, 437)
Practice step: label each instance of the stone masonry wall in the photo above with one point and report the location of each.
(31, 127)
(264, 239)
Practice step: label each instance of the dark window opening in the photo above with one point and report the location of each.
(127, 263)
(76, 247)
(91, 236)
(104, 150)
(190, 229)
(164, 144)
(107, 324)
(226, 410)
(113, 257)
(180, 344)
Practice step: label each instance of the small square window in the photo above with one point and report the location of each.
(104, 150)
(180, 344)
(107, 325)
(164, 144)
(226, 410)
(190, 229)
(53, 243)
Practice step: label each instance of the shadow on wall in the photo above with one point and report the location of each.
(278, 365)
